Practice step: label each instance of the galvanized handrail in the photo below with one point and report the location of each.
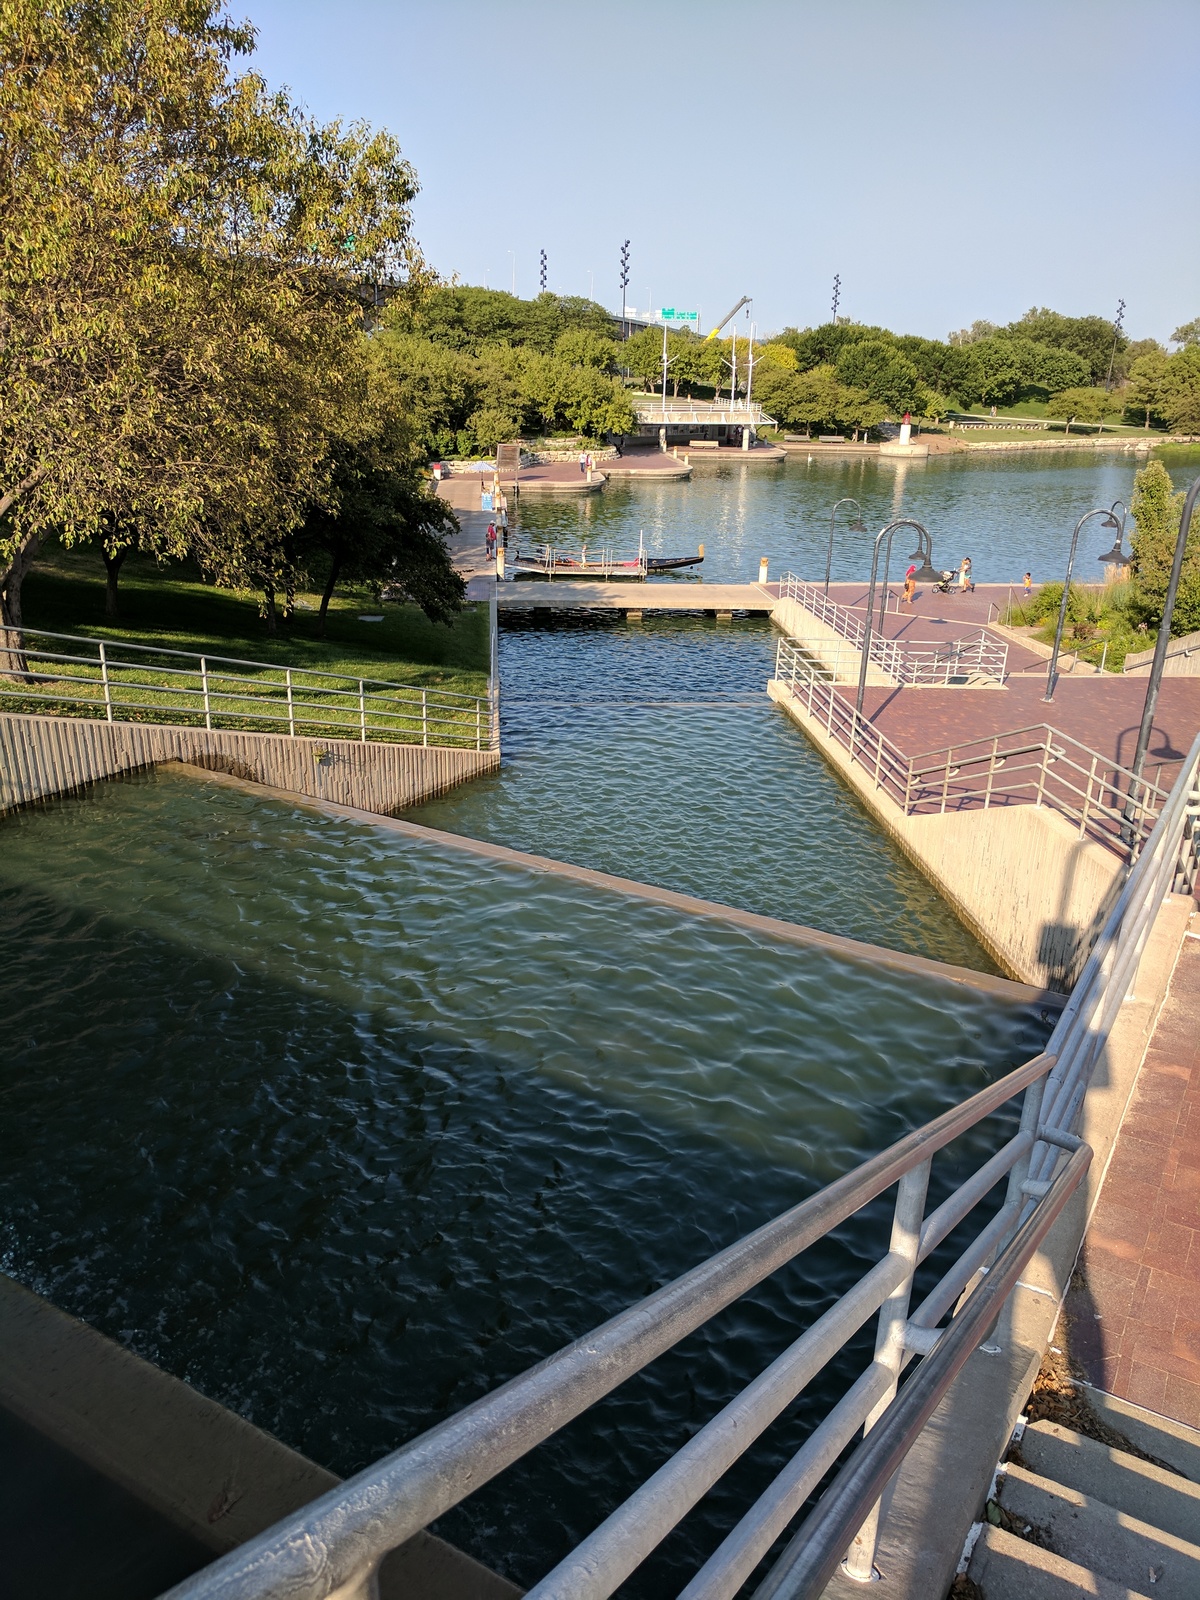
(1038, 764)
(294, 700)
(334, 1545)
(908, 662)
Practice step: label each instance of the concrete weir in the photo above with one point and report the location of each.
(45, 756)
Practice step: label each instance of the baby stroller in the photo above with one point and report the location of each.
(945, 583)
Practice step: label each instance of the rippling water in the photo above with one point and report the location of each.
(653, 752)
(1009, 513)
(346, 1130)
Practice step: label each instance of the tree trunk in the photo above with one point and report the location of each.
(269, 607)
(335, 568)
(12, 658)
(112, 569)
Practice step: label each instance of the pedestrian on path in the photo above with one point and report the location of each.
(965, 581)
(910, 585)
(491, 540)
(583, 461)
(1027, 584)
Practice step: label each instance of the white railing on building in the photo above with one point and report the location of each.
(119, 681)
(334, 1546)
(973, 658)
(1036, 765)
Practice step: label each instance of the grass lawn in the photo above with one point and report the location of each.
(171, 608)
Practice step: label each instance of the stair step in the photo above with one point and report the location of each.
(1101, 1538)
(1171, 1441)
(1008, 1568)
(1163, 1499)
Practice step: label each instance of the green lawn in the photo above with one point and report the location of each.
(173, 609)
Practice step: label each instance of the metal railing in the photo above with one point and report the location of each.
(553, 562)
(972, 658)
(1028, 766)
(120, 681)
(335, 1544)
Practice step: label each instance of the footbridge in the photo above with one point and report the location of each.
(902, 1502)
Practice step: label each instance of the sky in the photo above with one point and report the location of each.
(948, 160)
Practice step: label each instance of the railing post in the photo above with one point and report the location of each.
(908, 789)
(1087, 796)
(204, 692)
(889, 1343)
(424, 717)
(987, 798)
(104, 680)
(946, 781)
(362, 713)
(291, 706)
(1041, 790)
(478, 724)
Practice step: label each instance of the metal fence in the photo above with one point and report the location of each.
(124, 682)
(335, 1545)
(1029, 766)
(550, 561)
(973, 658)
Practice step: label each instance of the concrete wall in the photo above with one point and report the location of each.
(1032, 891)
(43, 756)
(1183, 659)
(824, 642)
(203, 1469)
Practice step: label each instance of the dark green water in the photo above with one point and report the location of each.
(346, 1130)
(653, 752)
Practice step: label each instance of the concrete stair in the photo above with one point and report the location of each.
(1075, 1517)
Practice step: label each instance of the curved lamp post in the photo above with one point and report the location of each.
(925, 573)
(857, 526)
(1156, 666)
(1109, 521)
(888, 533)
(1116, 557)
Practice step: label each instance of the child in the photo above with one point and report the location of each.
(1027, 584)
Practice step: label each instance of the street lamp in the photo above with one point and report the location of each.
(857, 526)
(1109, 521)
(888, 532)
(1156, 666)
(926, 572)
(1116, 557)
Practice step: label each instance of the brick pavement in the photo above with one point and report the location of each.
(1134, 1308)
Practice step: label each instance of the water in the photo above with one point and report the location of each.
(653, 752)
(1009, 513)
(345, 1130)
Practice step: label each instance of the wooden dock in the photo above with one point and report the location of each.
(586, 594)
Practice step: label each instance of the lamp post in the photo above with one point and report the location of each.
(1109, 521)
(1156, 666)
(888, 533)
(857, 526)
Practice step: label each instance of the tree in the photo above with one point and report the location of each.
(581, 347)
(1155, 508)
(1143, 393)
(1180, 391)
(877, 368)
(1081, 405)
(181, 278)
(1187, 334)
(1092, 339)
(641, 356)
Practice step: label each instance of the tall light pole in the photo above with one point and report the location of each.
(624, 287)
(1109, 521)
(1156, 666)
(1117, 320)
(857, 526)
(888, 533)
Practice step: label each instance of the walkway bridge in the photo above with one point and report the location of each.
(906, 1495)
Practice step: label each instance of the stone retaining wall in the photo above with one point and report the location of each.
(45, 756)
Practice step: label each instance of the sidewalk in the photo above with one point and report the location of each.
(1133, 1309)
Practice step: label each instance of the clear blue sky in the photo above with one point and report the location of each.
(949, 160)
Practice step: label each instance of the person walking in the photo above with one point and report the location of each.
(910, 585)
(1027, 585)
(582, 462)
(965, 581)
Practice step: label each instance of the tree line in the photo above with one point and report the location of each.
(189, 270)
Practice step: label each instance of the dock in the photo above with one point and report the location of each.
(635, 599)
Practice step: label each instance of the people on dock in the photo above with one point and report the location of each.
(1027, 584)
(583, 461)
(965, 580)
(490, 542)
(910, 585)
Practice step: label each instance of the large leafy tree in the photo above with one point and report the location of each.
(1143, 392)
(1092, 339)
(1180, 391)
(183, 270)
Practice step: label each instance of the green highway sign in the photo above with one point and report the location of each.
(669, 314)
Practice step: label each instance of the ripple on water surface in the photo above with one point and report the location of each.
(346, 1129)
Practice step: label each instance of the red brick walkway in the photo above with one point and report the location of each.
(1135, 1321)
